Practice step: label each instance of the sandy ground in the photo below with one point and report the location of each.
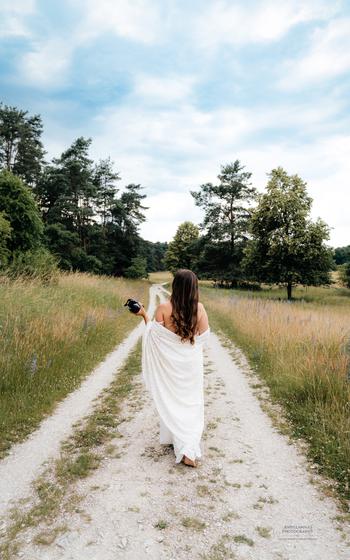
(250, 498)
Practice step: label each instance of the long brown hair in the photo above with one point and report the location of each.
(184, 301)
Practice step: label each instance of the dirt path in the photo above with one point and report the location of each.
(26, 459)
(251, 497)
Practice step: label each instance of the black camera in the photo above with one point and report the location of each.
(133, 305)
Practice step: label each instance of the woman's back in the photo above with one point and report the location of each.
(174, 372)
(164, 311)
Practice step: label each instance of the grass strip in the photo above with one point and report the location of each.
(94, 438)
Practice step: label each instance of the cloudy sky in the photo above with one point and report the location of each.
(172, 89)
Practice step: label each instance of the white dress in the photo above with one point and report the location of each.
(173, 372)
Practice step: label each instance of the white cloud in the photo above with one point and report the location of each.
(13, 14)
(167, 210)
(327, 57)
(162, 89)
(170, 135)
(184, 131)
(47, 64)
(138, 20)
(238, 24)
(323, 163)
(168, 151)
(172, 151)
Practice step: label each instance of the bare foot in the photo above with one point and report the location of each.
(188, 462)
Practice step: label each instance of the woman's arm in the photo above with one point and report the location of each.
(203, 322)
(159, 314)
(143, 314)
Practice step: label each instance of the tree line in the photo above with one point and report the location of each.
(247, 238)
(69, 210)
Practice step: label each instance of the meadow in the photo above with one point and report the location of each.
(51, 337)
(321, 295)
(302, 352)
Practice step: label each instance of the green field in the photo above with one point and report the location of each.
(322, 295)
(51, 337)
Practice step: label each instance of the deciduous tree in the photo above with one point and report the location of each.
(18, 207)
(287, 246)
(180, 252)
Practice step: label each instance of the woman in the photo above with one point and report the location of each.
(172, 366)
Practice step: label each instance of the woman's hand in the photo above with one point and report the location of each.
(142, 311)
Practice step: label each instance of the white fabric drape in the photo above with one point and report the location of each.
(173, 372)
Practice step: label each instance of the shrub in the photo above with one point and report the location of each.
(137, 269)
(20, 209)
(5, 234)
(344, 274)
(37, 263)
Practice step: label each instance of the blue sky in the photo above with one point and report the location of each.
(171, 90)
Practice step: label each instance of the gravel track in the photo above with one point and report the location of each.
(250, 498)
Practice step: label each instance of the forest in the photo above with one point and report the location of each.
(68, 212)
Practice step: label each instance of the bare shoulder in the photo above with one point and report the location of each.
(163, 307)
(201, 307)
(203, 323)
(160, 312)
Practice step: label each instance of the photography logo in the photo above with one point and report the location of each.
(297, 532)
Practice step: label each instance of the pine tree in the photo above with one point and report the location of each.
(225, 224)
(21, 149)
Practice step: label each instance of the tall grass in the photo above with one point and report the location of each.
(160, 277)
(303, 353)
(51, 337)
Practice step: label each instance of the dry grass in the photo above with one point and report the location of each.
(160, 277)
(51, 336)
(303, 352)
